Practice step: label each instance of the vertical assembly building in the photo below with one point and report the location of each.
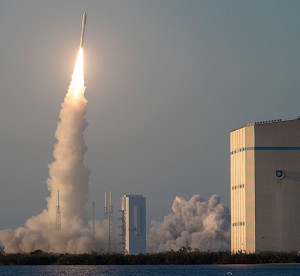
(265, 186)
(134, 224)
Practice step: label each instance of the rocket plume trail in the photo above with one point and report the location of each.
(68, 174)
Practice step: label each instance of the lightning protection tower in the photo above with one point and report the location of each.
(105, 207)
(58, 216)
(94, 219)
(108, 212)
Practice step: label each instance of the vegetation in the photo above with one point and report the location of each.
(180, 257)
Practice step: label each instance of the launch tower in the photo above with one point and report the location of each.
(108, 212)
(134, 224)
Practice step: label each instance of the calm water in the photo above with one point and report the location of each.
(174, 270)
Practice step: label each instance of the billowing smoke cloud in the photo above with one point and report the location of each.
(69, 176)
(203, 224)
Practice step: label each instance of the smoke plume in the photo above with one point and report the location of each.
(69, 176)
(204, 225)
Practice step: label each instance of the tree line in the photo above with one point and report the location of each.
(180, 257)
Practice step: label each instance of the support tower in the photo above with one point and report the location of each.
(108, 212)
(58, 215)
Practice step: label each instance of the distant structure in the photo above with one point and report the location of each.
(94, 219)
(265, 186)
(108, 212)
(134, 224)
(58, 216)
(105, 207)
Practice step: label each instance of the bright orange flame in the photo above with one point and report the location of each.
(77, 83)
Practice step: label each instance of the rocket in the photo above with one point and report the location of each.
(83, 29)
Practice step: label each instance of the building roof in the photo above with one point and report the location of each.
(267, 122)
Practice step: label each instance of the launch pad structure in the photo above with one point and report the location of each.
(133, 224)
(123, 229)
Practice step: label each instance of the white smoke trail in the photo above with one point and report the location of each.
(67, 174)
(204, 224)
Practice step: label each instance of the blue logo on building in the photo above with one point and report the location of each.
(279, 174)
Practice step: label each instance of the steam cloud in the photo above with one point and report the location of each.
(204, 224)
(67, 174)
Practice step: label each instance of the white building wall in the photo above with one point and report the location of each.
(237, 190)
(269, 206)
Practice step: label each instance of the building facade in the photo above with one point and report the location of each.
(134, 224)
(265, 186)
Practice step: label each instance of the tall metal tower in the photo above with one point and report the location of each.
(108, 212)
(58, 216)
(111, 226)
(94, 219)
(105, 207)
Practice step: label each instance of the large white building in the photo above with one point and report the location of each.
(134, 224)
(265, 186)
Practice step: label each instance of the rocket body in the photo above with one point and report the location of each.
(83, 29)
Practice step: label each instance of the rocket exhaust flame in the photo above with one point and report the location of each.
(77, 83)
(68, 174)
